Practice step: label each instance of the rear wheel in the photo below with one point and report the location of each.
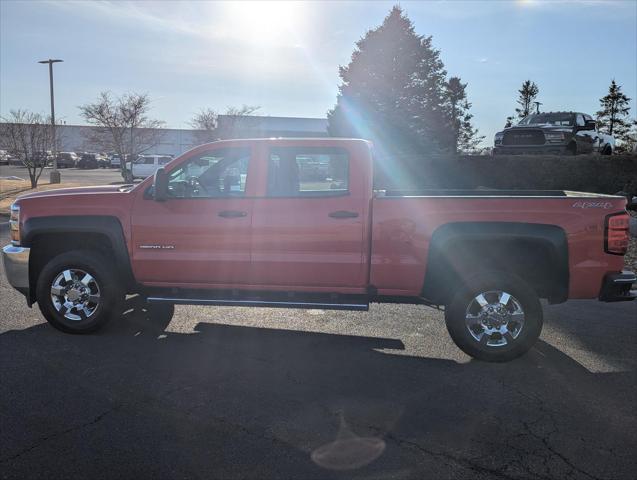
(494, 317)
(78, 292)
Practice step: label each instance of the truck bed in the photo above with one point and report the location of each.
(405, 222)
(488, 193)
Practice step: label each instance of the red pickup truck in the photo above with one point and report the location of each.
(297, 223)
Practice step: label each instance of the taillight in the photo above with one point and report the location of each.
(14, 224)
(616, 234)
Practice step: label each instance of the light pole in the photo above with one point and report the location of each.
(55, 175)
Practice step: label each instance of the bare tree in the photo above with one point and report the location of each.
(206, 122)
(124, 126)
(29, 137)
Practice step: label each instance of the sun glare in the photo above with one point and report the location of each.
(265, 22)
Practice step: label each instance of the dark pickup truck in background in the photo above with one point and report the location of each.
(559, 133)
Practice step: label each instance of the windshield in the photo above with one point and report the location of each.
(564, 119)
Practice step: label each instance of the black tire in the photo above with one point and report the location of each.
(111, 292)
(607, 150)
(520, 292)
(160, 312)
(571, 149)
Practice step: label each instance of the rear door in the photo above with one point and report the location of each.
(201, 234)
(309, 224)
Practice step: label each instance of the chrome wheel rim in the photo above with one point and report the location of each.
(75, 294)
(495, 318)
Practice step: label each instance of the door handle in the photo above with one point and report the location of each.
(343, 214)
(232, 214)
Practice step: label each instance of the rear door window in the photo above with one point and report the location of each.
(308, 171)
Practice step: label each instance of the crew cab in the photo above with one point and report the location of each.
(297, 223)
(562, 133)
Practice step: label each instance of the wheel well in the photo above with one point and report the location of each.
(45, 246)
(534, 259)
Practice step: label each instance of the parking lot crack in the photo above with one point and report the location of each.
(43, 440)
(452, 459)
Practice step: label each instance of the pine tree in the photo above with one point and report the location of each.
(465, 136)
(509, 122)
(628, 141)
(392, 91)
(613, 116)
(527, 94)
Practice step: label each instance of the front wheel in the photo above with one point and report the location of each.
(78, 292)
(495, 317)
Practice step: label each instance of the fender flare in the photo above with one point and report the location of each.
(551, 238)
(109, 226)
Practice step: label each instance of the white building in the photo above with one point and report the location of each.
(173, 141)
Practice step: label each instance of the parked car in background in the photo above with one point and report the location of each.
(561, 133)
(4, 157)
(67, 159)
(15, 160)
(103, 161)
(146, 165)
(115, 160)
(44, 158)
(88, 160)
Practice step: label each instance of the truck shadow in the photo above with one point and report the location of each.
(243, 402)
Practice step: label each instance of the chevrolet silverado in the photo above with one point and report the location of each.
(297, 223)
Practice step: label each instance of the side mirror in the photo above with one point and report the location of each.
(589, 125)
(160, 185)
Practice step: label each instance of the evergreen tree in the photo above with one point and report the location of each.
(527, 94)
(613, 116)
(628, 141)
(509, 122)
(465, 136)
(393, 91)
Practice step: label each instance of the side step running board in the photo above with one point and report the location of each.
(259, 303)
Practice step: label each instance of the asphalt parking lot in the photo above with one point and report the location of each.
(267, 393)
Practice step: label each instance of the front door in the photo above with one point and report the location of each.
(200, 235)
(308, 229)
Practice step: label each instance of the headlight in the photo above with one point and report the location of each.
(554, 136)
(498, 137)
(14, 224)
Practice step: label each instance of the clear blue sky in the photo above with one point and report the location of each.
(284, 56)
